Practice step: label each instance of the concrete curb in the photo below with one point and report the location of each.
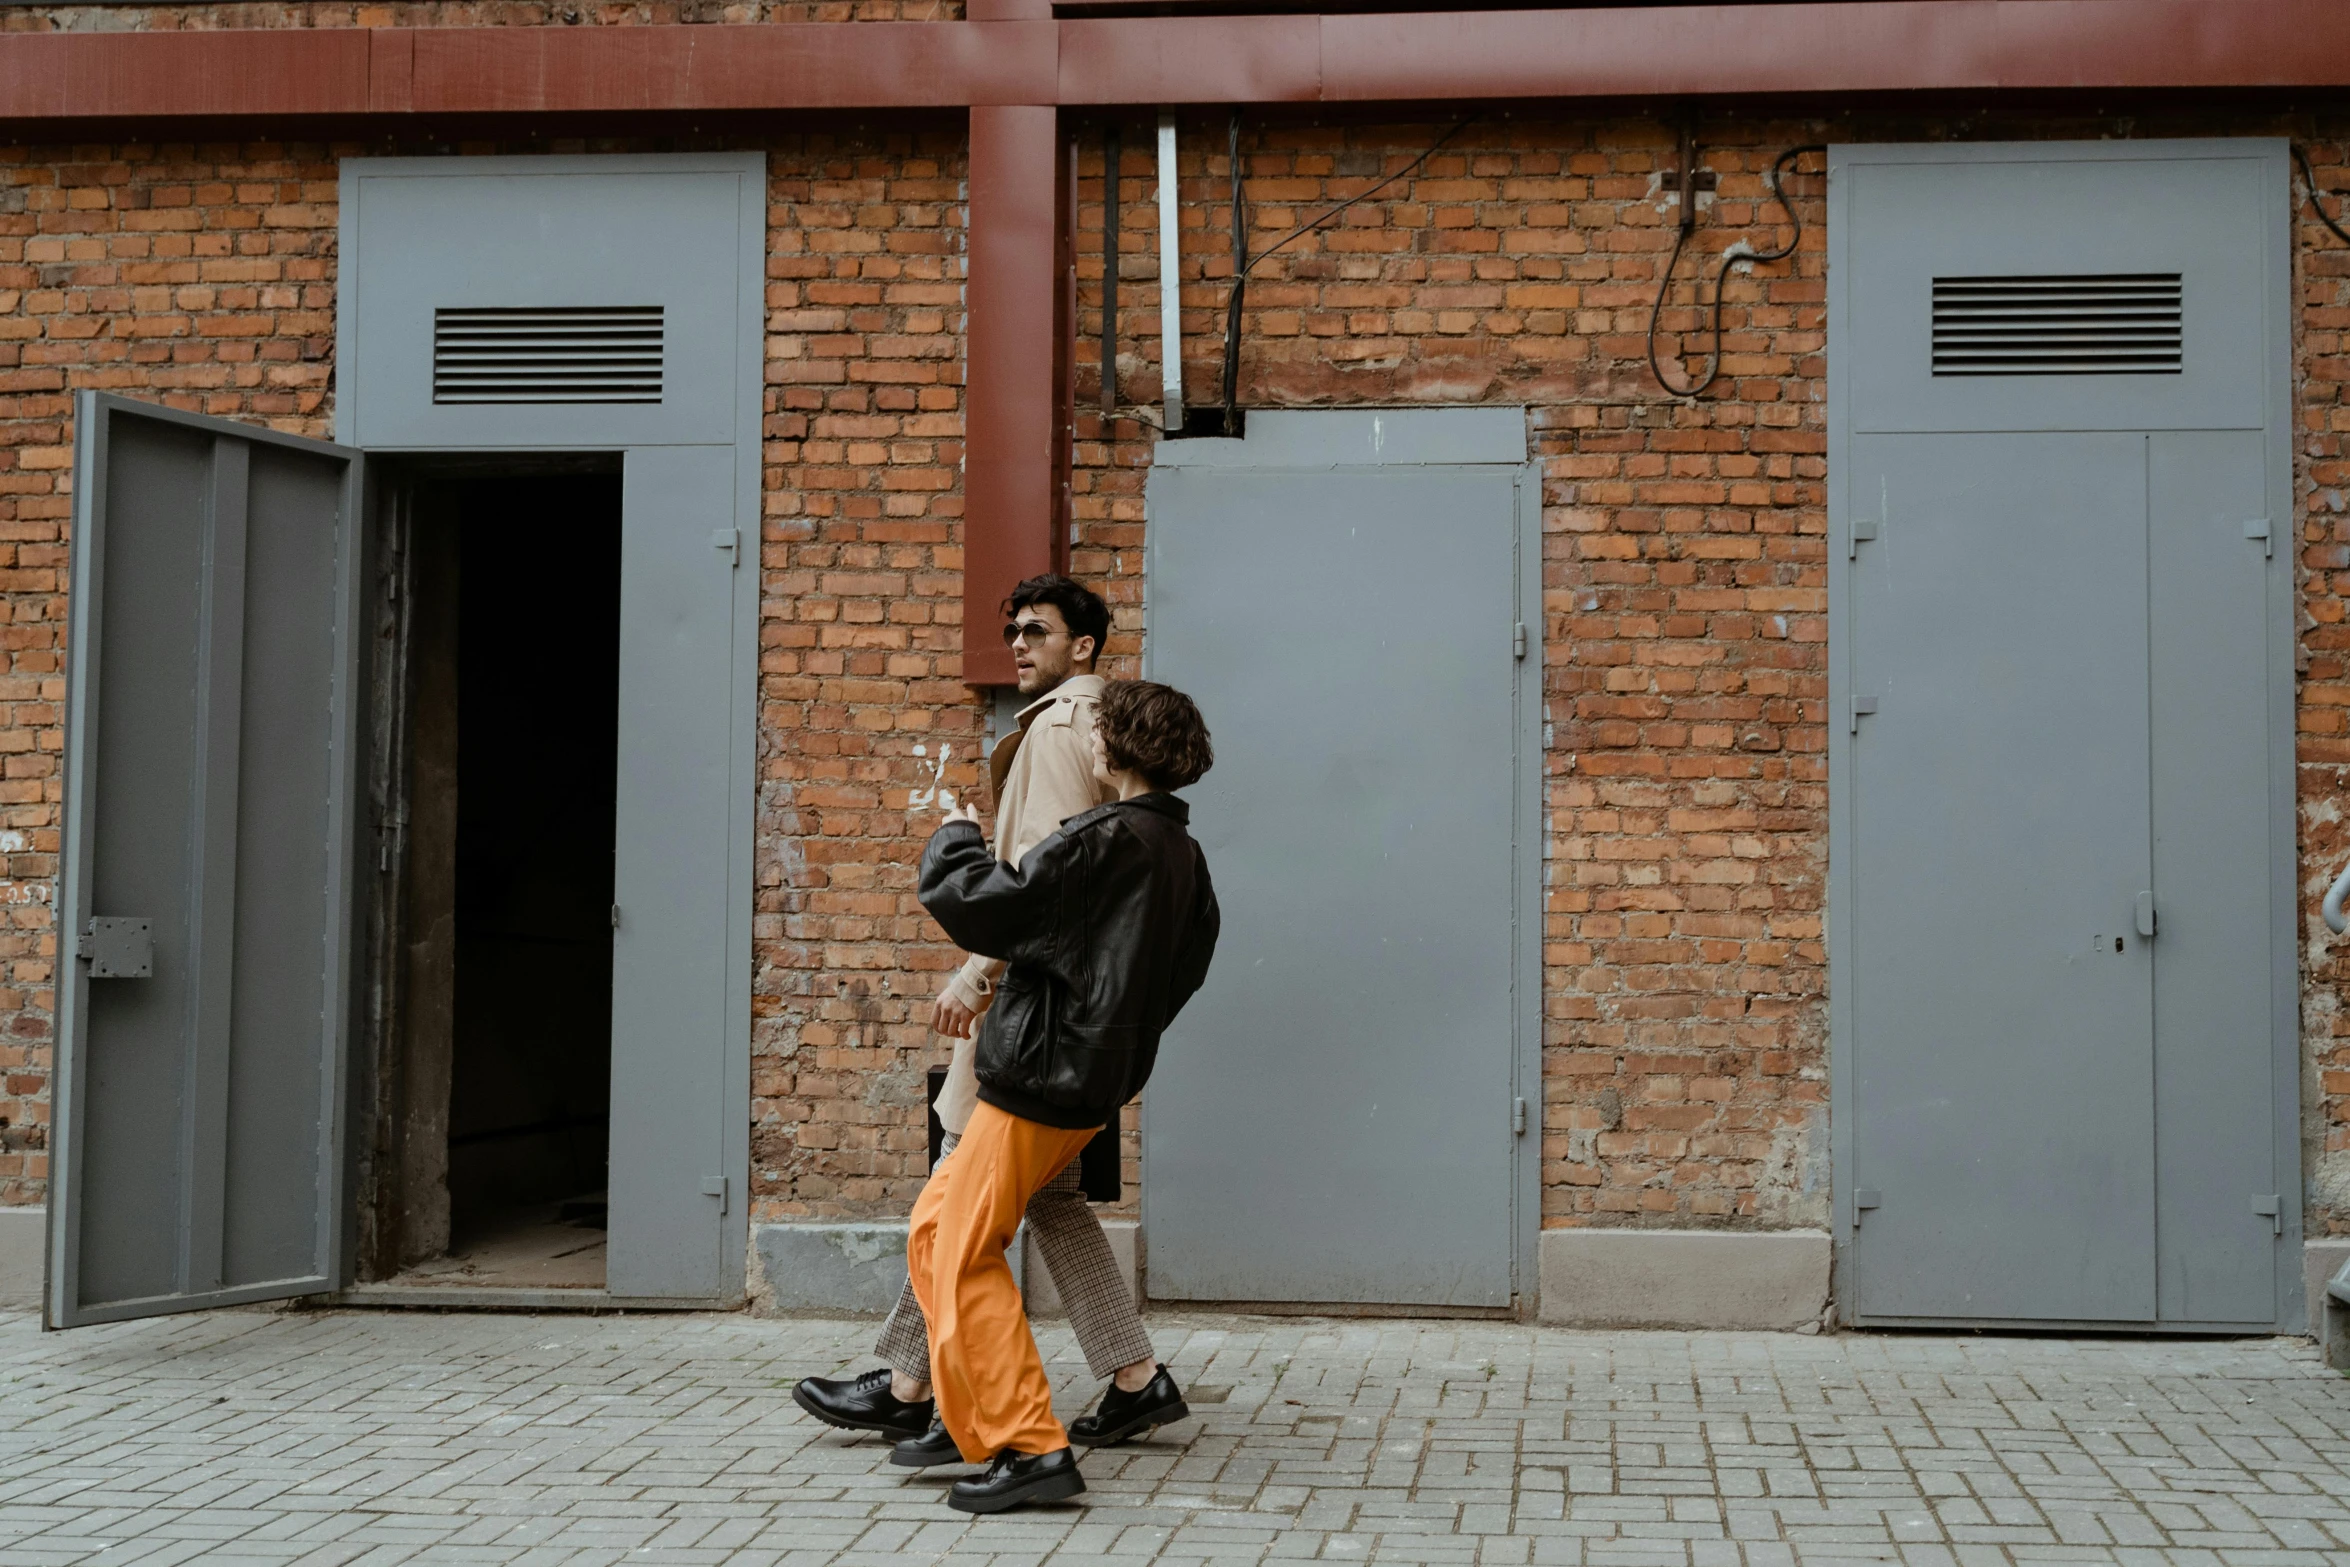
(1773, 1279)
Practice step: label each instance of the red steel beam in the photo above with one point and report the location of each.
(1011, 401)
(1184, 59)
(1017, 57)
(792, 65)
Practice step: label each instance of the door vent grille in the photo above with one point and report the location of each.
(559, 354)
(2096, 324)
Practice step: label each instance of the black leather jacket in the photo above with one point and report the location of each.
(1108, 926)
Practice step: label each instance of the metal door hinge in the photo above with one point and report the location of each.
(2257, 528)
(2273, 1211)
(1862, 1201)
(1862, 706)
(117, 948)
(615, 916)
(715, 1186)
(1518, 1116)
(2145, 913)
(1518, 640)
(1862, 533)
(729, 540)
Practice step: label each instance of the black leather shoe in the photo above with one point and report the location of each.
(864, 1404)
(1016, 1479)
(927, 1451)
(1124, 1416)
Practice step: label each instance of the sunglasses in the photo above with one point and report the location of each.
(1036, 633)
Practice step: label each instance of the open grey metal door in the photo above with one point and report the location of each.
(532, 253)
(203, 921)
(1335, 1118)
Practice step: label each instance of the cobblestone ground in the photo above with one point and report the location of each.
(254, 1436)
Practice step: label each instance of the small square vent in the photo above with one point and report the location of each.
(559, 354)
(2095, 324)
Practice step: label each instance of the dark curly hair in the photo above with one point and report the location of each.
(1082, 609)
(1154, 731)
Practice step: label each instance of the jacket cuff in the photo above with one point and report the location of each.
(975, 995)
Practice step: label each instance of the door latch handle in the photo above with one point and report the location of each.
(2145, 913)
(117, 948)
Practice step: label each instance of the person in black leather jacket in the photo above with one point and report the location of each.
(1108, 925)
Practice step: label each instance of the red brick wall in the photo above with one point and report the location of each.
(1685, 1051)
(1684, 581)
(2321, 265)
(860, 661)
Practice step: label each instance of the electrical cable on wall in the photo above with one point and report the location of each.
(1736, 254)
(1243, 264)
(1240, 266)
(2309, 178)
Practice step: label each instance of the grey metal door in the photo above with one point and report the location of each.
(2004, 1107)
(2215, 616)
(203, 919)
(2061, 920)
(674, 1179)
(1331, 1120)
(611, 303)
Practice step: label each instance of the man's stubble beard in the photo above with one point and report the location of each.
(1044, 683)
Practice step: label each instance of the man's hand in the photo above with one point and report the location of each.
(951, 1018)
(965, 812)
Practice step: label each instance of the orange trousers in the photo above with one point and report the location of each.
(984, 1368)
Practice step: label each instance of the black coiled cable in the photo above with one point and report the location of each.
(2309, 177)
(1738, 253)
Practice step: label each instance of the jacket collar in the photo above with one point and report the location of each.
(1088, 687)
(1165, 804)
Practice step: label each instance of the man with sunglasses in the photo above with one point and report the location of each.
(1043, 774)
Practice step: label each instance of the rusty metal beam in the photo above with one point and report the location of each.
(1012, 379)
(1014, 55)
(797, 65)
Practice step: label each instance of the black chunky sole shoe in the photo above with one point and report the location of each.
(1018, 1480)
(864, 1404)
(1123, 1416)
(927, 1451)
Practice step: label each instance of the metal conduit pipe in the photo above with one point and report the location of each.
(1170, 280)
(2336, 920)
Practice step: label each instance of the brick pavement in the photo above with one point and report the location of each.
(354, 1437)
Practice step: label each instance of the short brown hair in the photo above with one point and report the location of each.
(1154, 731)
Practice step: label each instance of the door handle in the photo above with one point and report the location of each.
(2145, 913)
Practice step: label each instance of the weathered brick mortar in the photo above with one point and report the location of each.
(1685, 1051)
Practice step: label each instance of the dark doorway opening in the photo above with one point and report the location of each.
(494, 1125)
